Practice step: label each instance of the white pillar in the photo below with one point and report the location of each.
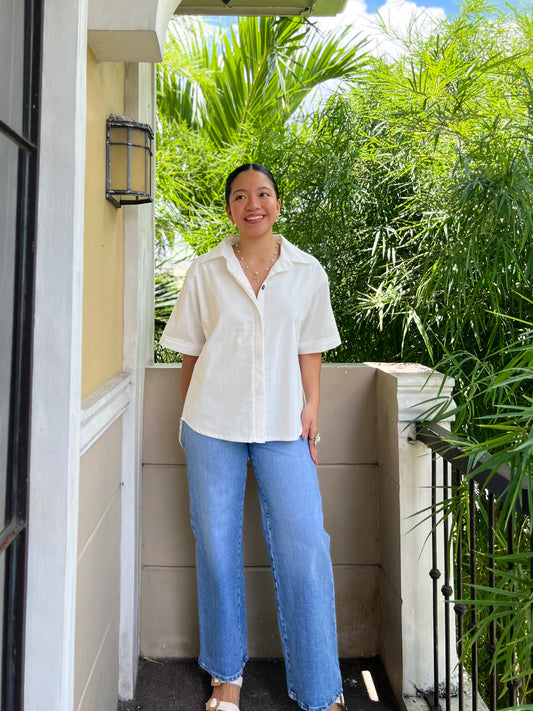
(417, 390)
(56, 380)
(138, 351)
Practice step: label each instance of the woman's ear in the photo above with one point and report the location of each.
(228, 213)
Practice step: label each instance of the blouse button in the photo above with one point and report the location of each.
(263, 287)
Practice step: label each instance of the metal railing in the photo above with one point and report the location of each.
(457, 545)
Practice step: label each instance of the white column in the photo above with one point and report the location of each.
(418, 391)
(56, 386)
(138, 344)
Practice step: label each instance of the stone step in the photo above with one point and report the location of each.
(180, 685)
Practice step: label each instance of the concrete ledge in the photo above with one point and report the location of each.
(129, 30)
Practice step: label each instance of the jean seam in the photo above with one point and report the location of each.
(242, 613)
(210, 662)
(307, 707)
(226, 678)
(282, 625)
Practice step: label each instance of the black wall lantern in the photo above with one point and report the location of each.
(128, 161)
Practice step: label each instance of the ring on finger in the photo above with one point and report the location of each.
(316, 439)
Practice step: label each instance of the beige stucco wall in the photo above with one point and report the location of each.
(349, 484)
(98, 574)
(103, 270)
(99, 523)
(374, 483)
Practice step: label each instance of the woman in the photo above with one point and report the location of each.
(252, 320)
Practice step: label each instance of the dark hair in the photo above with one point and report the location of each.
(249, 166)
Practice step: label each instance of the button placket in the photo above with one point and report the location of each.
(259, 381)
(259, 369)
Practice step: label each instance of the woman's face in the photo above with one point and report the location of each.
(253, 206)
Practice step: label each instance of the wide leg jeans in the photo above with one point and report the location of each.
(298, 545)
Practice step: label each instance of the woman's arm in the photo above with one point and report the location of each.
(310, 364)
(187, 368)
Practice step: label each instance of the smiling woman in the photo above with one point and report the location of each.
(253, 206)
(224, 92)
(252, 320)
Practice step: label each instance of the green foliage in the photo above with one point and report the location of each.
(253, 78)
(414, 189)
(167, 286)
(416, 192)
(500, 620)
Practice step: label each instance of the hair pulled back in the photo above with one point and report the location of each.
(249, 166)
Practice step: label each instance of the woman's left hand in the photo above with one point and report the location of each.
(310, 429)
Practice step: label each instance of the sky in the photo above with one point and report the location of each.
(449, 6)
(366, 16)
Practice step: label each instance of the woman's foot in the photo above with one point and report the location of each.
(339, 705)
(225, 695)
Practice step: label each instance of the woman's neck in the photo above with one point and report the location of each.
(257, 261)
(256, 247)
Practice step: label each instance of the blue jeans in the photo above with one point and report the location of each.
(299, 553)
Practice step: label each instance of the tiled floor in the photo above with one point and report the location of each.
(179, 685)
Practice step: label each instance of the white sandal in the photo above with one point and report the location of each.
(215, 704)
(340, 703)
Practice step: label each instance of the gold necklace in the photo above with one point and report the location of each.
(255, 275)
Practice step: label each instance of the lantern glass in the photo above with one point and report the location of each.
(138, 162)
(119, 165)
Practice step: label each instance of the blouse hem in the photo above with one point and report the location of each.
(227, 437)
(180, 346)
(319, 346)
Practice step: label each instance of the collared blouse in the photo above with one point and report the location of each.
(246, 385)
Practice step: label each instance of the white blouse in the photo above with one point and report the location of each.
(246, 385)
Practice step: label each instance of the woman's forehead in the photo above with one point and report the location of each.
(251, 180)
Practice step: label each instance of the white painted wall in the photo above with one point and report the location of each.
(417, 389)
(138, 352)
(56, 384)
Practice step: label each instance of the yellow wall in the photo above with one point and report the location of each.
(103, 274)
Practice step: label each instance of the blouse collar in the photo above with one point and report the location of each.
(290, 254)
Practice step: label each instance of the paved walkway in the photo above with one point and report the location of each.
(181, 686)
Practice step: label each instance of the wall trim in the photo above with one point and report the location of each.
(100, 409)
(422, 392)
(138, 352)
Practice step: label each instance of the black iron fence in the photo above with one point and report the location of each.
(482, 572)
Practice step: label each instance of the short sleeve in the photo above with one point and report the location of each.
(319, 331)
(183, 332)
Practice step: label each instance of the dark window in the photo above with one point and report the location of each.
(20, 53)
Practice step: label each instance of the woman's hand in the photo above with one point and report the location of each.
(310, 428)
(310, 368)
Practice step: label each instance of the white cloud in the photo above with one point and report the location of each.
(399, 17)
(384, 30)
